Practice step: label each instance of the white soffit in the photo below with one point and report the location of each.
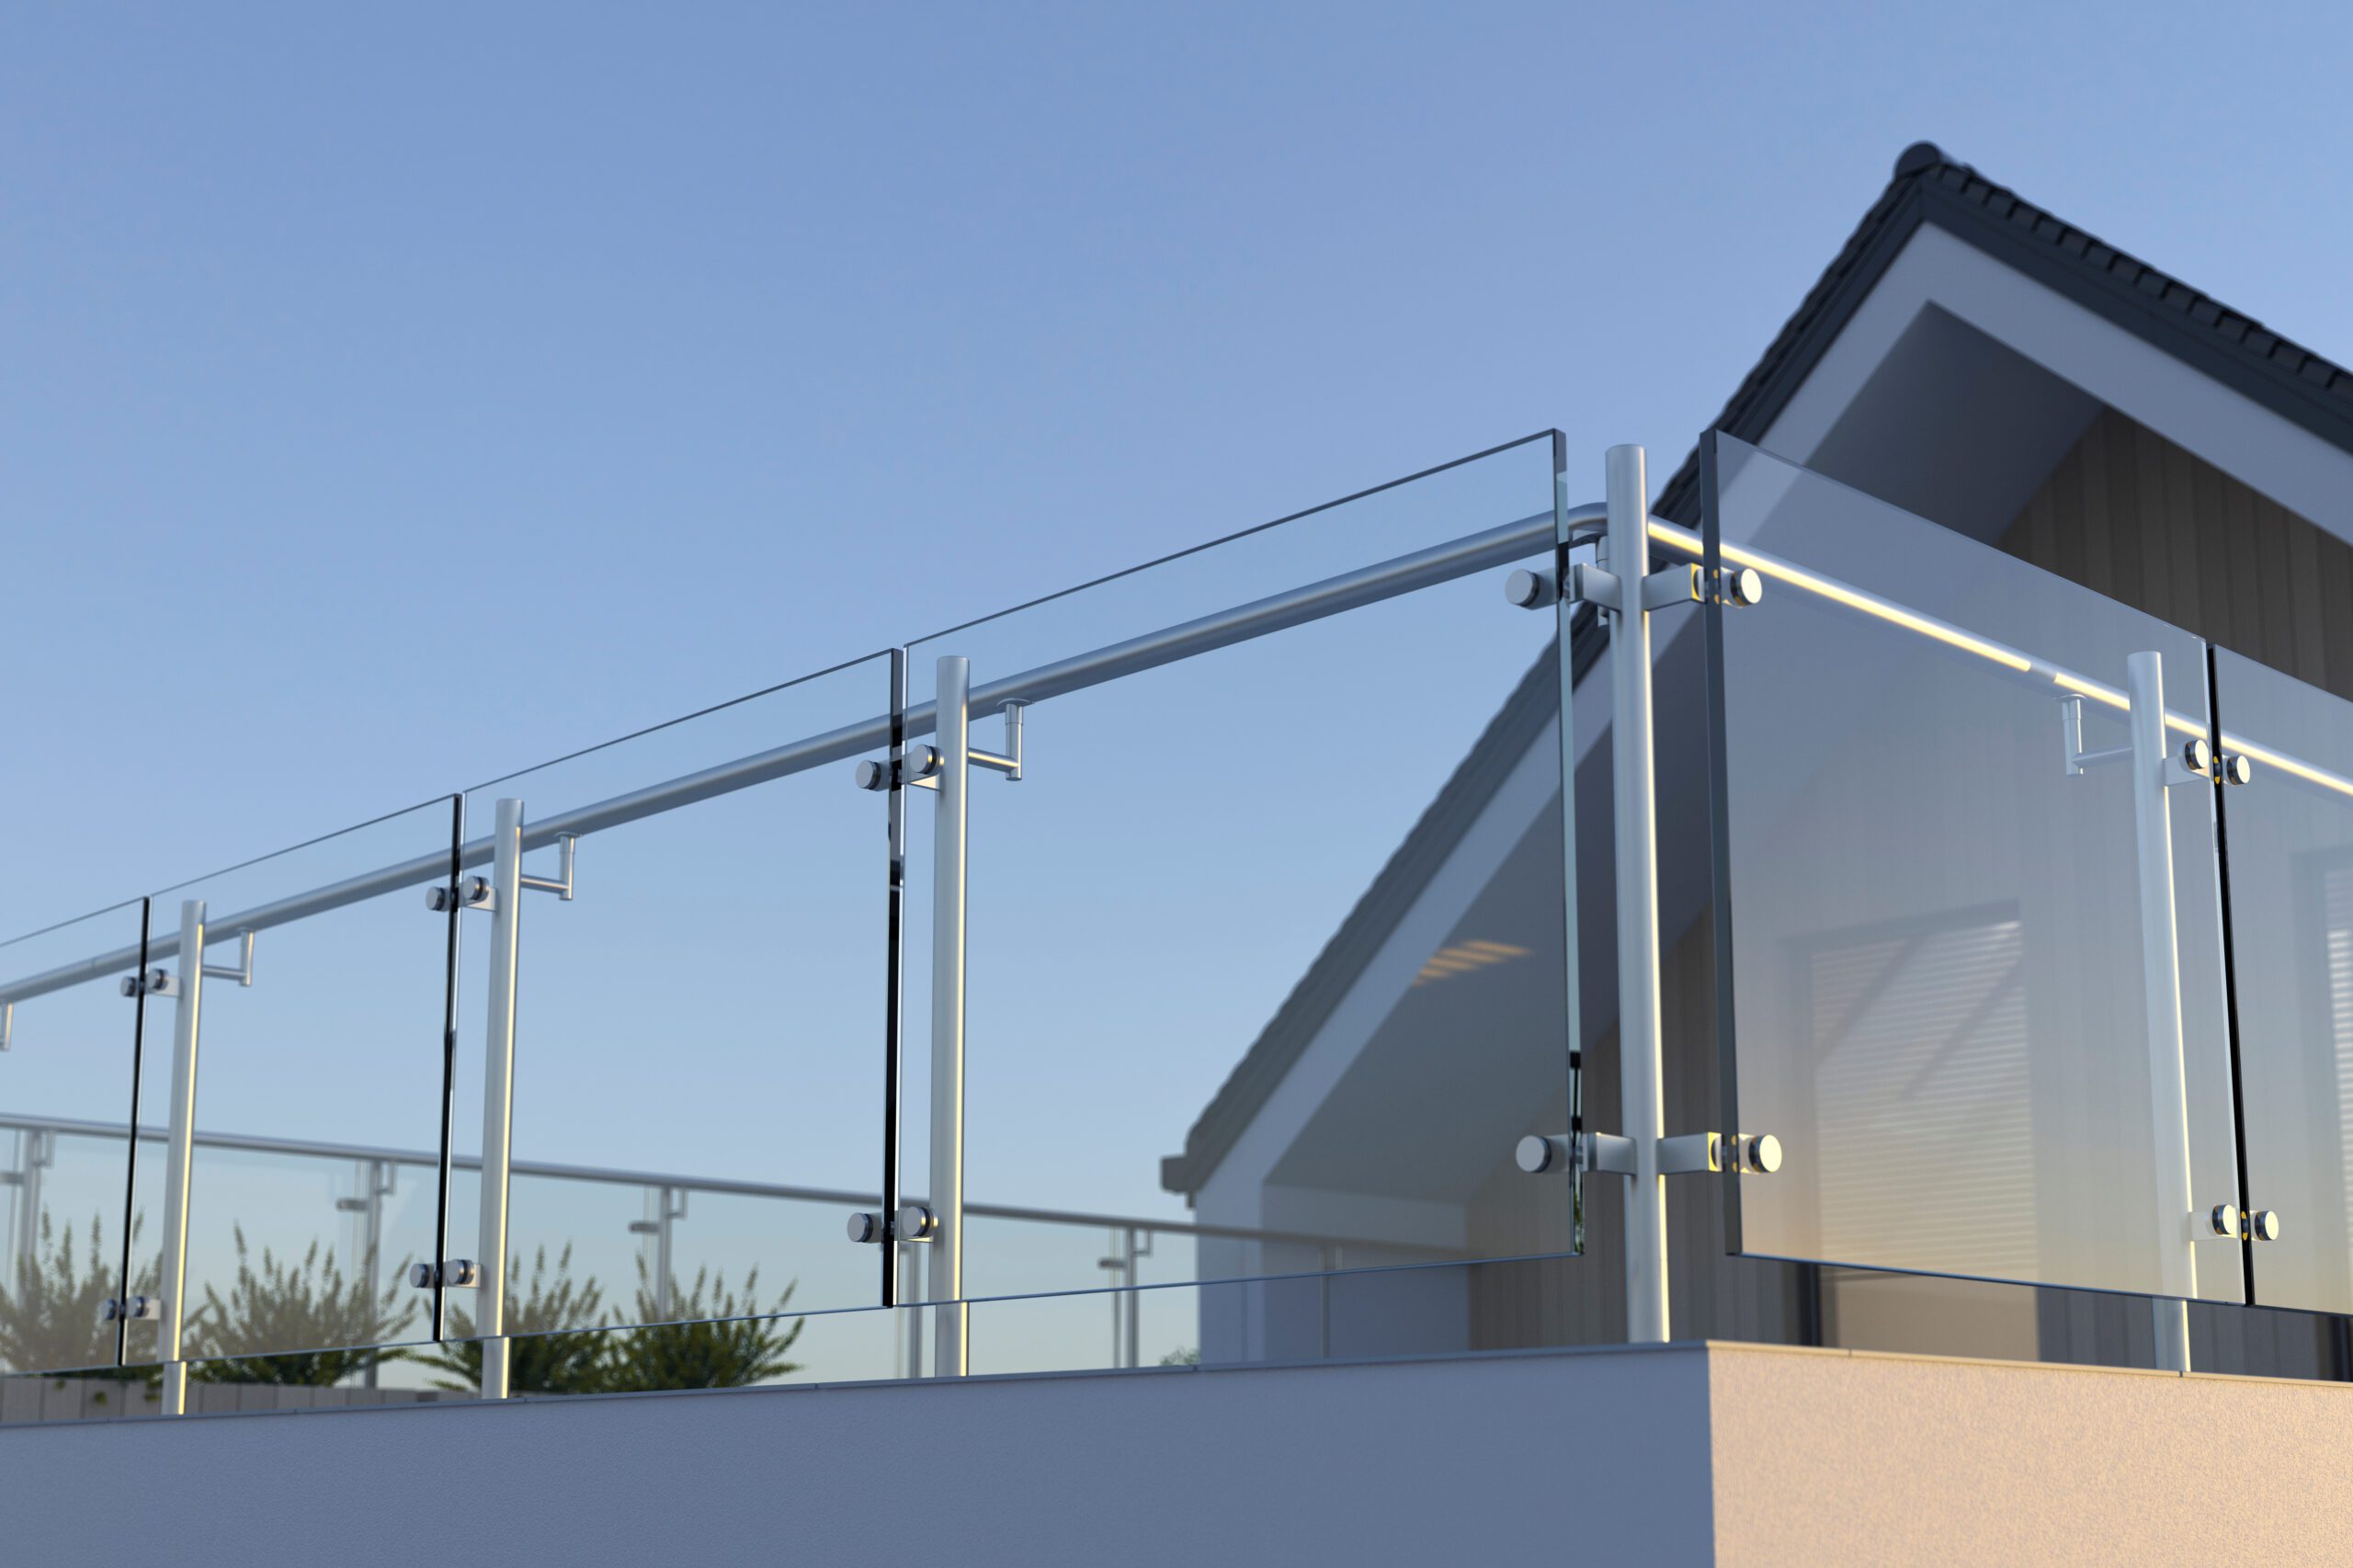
(2280, 460)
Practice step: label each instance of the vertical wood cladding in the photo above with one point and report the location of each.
(2129, 515)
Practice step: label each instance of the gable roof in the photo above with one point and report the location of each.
(1928, 186)
(2232, 349)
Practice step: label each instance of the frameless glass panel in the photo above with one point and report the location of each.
(856, 1345)
(314, 1159)
(2289, 834)
(65, 1097)
(341, 1378)
(698, 1064)
(1266, 942)
(1935, 890)
(87, 1393)
(1351, 1314)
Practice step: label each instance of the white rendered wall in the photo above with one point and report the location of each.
(1482, 1459)
(1738, 1454)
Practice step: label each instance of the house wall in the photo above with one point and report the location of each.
(2128, 514)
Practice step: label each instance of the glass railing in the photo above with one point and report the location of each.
(1177, 970)
(1261, 957)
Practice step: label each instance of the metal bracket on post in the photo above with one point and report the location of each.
(135, 1309)
(566, 845)
(242, 970)
(454, 1274)
(921, 767)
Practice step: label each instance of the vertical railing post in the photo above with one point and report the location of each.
(378, 1177)
(2153, 765)
(911, 1286)
(35, 1150)
(953, 731)
(498, 1093)
(1640, 1047)
(171, 1283)
(1134, 1300)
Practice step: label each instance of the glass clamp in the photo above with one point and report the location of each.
(1748, 1154)
(474, 893)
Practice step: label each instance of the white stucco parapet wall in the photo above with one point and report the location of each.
(1681, 1454)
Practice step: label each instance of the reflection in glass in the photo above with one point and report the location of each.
(65, 1091)
(1938, 993)
(2290, 836)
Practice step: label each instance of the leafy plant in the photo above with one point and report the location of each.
(52, 1306)
(734, 1342)
(304, 1303)
(1190, 1355)
(540, 1359)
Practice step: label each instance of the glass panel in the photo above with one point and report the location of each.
(2289, 837)
(342, 1378)
(699, 1069)
(1267, 938)
(65, 1094)
(858, 1345)
(313, 1175)
(1351, 1314)
(1430, 1310)
(89, 1393)
(1936, 924)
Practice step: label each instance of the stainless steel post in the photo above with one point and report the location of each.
(379, 1178)
(1640, 1069)
(35, 1150)
(950, 1338)
(1134, 1302)
(2161, 983)
(910, 1283)
(172, 1282)
(498, 1094)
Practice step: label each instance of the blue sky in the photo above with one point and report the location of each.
(394, 401)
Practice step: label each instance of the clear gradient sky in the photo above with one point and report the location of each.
(391, 401)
